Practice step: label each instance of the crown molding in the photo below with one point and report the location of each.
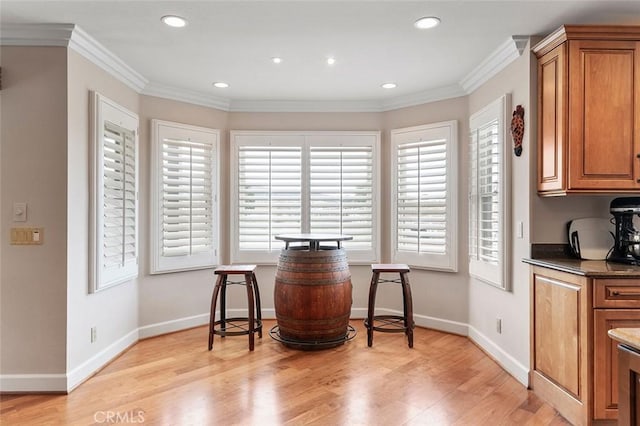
(91, 49)
(185, 95)
(506, 53)
(431, 95)
(36, 34)
(304, 106)
(72, 36)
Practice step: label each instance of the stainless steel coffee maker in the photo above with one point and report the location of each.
(626, 213)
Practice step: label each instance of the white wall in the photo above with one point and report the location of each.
(113, 311)
(170, 302)
(487, 303)
(33, 170)
(440, 299)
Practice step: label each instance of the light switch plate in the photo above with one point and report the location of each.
(19, 212)
(27, 236)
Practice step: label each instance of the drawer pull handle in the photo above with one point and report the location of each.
(617, 293)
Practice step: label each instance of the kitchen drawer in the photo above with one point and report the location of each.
(616, 293)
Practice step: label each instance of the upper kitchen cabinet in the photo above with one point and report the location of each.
(589, 110)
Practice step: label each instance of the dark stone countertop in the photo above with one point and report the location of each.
(588, 268)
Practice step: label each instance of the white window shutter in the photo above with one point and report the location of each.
(185, 214)
(341, 193)
(269, 195)
(303, 182)
(119, 189)
(489, 188)
(114, 200)
(424, 196)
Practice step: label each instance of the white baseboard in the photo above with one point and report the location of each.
(439, 324)
(179, 324)
(99, 360)
(17, 383)
(506, 361)
(165, 327)
(64, 383)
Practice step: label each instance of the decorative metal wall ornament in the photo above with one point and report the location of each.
(517, 129)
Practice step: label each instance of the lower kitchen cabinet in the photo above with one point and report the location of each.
(574, 363)
(605, 366)
(629, 376)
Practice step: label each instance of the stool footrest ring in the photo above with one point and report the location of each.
(237, 326)
(389, 324)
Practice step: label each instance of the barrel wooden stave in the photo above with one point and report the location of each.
(313, 295)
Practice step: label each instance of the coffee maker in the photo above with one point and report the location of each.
(626, 213)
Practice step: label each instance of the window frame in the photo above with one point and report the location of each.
(103, 110)
(160, 264)
(305, 140)
(449, 261)
(497, 275)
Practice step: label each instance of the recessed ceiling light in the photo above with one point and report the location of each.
(427, 22)
(220, 85)
(331, 61)
(174, 21)
(276, 60)
(389, 86)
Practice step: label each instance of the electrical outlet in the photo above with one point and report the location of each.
(94, 334)
(499, 325)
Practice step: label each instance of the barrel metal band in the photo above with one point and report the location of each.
(308, 282)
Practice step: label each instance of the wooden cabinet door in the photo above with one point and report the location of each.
(605, 363)
(629, 378)
(552, 112)
(604, 115)
(558, 351)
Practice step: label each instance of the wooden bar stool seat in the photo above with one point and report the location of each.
(390, 323)
(236, 326)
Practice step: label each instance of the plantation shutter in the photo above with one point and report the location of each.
(341, 193)
(422, 197)
(113, 207)
(485, 198)
(489, 198)
(119, 197)
(187, 215)
(269, 195)
(184, 182)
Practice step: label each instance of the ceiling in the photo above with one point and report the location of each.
(373, 42)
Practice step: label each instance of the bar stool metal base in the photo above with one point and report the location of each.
(390, 323)
(312, 345)
(237, 326)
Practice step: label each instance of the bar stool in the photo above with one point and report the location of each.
(238, 325)
(390, 323)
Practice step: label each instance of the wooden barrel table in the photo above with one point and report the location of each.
(313, 292)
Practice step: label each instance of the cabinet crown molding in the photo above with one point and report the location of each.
(586, 32)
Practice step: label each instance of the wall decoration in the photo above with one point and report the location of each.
(517, 129)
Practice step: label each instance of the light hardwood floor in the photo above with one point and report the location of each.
(173, 380)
